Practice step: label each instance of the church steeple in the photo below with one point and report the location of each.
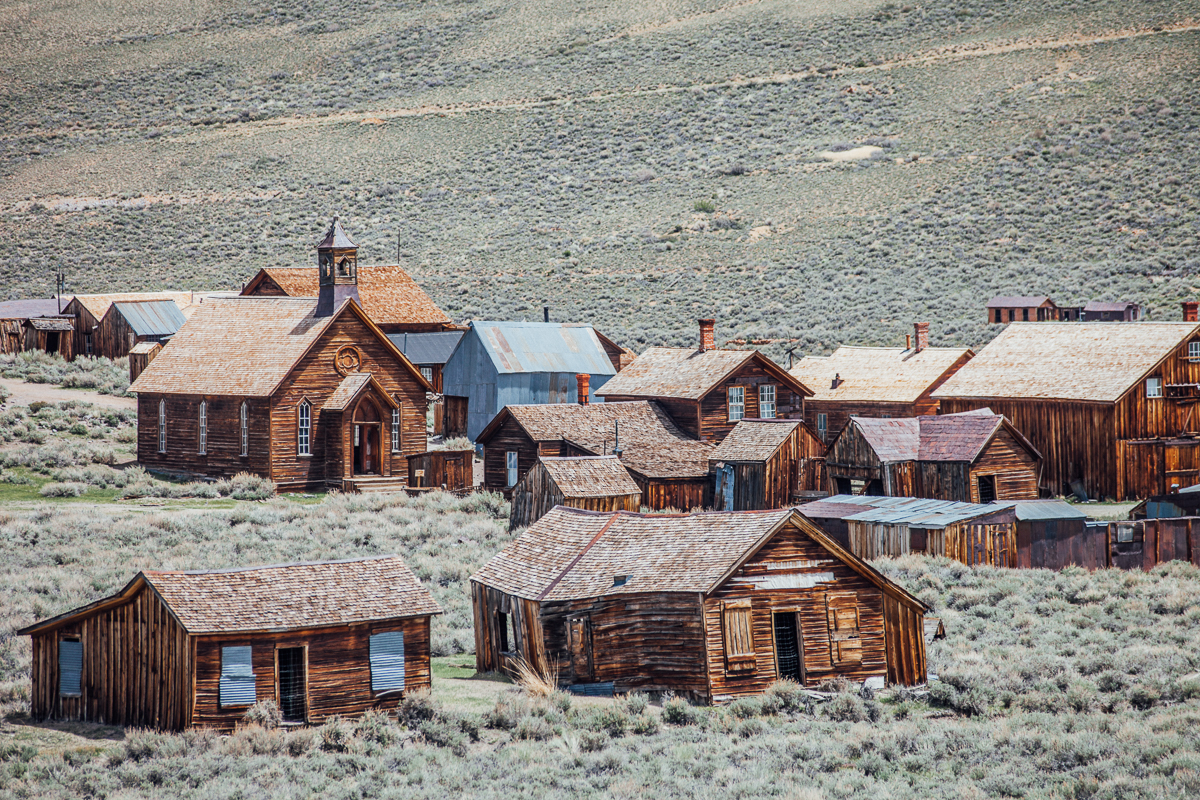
(337, 265)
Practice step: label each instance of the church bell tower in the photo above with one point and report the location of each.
(337, 269)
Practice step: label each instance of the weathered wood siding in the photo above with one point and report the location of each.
(139, 361)
(85, 324)
(681, 494)
(537, 493)
(114, 337)
(223, 458)
(1016, 470)
(838, 413)
(715, 424)
(448, 469)
(510, 436)
(487, 606)
(1146, 468)
(1058, 543)
(137, 669)
(338, 669)
(985, 540)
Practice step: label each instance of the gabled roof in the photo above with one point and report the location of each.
(388, 294)
(279, 597)
(245, 347)
(26, 309)
(879, 374)
(590, 476)
(1089, 361)
(144, 348)
(51, 323)
(680, 373)
(651, 444)
(573, 555)
(948, 437)
(892, 439)
(516, 347)
(434, 347)
(1017, 302)
(336, 238)
(754, 440)
(150, 317)
(1100, 305)
(98, 304)
(350, 388)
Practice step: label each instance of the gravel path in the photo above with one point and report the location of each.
(25, 393)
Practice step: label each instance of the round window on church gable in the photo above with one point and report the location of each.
(347, 360)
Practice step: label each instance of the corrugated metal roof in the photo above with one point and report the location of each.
(427, 348)
(152, 317)
(1045, 509)
(543, 347)
(27, 309)
(914, 511)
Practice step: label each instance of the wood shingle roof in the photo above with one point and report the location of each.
(680, 373)
(389, 295)
(948, 437)
(754, 440)
(877, 374)
(590, 476)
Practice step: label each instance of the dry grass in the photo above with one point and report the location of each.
(534, 682)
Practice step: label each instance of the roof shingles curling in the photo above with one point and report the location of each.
(877, 374)
(590, 476)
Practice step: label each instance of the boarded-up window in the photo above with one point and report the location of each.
(387, 661)
(738, 622)
(845, 645)
(70, 667)
(237, 677)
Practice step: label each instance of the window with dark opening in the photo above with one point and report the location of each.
(987, 488)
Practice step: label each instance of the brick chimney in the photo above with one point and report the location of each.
(582, 379)
(920, 336)
(706, 335)
(1189, 310)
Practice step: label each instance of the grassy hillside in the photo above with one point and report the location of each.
(568, 153)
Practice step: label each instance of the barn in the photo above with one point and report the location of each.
(89, 309)
(876, 381)
(128, 323)
(975, 457)
(605, 601)
(764, 463)
(178, 649)
(594, 483)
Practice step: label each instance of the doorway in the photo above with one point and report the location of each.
(52, 342)
(580, 632)
(789, 658)
(293, 683)
(367, 429)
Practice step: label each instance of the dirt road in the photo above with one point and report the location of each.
(25, 393)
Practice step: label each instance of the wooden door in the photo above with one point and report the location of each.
(845, 643)
(454, 473)
(579, 635)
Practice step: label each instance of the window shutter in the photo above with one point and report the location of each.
(387, 661)
(237, 677)
(739, 635)
(845, 645)
(70, 668)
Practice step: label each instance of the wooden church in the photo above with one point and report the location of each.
(307, 392)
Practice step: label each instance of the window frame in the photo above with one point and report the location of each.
(397, 417)
(241, 703)
(512, 467)
(162, 425)
(822, 426)
(202, 422)
(1193, 351)
(304, 428)
(1157, 383)
(762, 404)
(737, 634)
(729, 404)
(78, 642)
(244, 429)
(424, 371)
(380, 661)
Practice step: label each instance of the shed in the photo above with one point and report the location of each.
(498, 364)
(593, 483)
(1052, 534)
(140, 355)
(1100, 311)
(763, 463)
(13, 336)
(178, 649)
(130, 322)
(48, 334)
(89, 309)
(606, 602)
(452, 470)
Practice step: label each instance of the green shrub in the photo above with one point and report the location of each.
(64, 490)
(613, 720)
(645, 725)
(533, 728)
(705, 206)
(677, 711)
(336, 735)
(265, 714)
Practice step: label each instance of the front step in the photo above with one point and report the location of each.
(375, 484)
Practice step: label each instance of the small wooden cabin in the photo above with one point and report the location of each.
(876, 381)
(128, 323)
(669, 467)
(975, 457)
(452, 470)
(1052, 534)
(593, 483)
(140, 355)
(15, 313)
(606, 602)
(89, 309)
(707, 391)
(51, 335)
(1021, 309)
(1100, 311)
(763, 464)
(180, 649)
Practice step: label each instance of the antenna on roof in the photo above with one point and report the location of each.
(617, 438)
(791, 354)
(398, 234)
(60, 280)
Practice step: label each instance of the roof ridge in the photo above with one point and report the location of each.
(231, 570)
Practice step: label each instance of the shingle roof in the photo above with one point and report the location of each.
(151, 317)
(892, 439)
(1016, 302)
(590, 476)
(346, 391)
(949, 437)
(51, 323)
(388, 294)
(1095, 361)
(427, 348)
(678, 372)
(543, 347)
(98, 304)
(651, 444)
(144, 348)
(336, 237)
(25, 309)
(754, 440)
(1100, 305)
(879, 374)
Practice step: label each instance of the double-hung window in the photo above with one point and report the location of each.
(244, 421)
(203, 448)
(766, 402)
(395, 430)
(162, 426)
(1154, 387)
(304, 428)
(510, 463)
(427, 373)
(822, 426)
(737, 403)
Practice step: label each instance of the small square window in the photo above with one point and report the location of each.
(1154, 387)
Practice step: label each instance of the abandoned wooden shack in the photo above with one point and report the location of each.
(389, 295)
(296, 390)
(593, 483)
(498, 364)
(88, 310)
(177, 649)
(762, 464)
(49, 335)
(707, 391)
(452, 470)
(140, 355)
(1101, 311)
(129, 323)
(976, 457)
(605, 602)
(1052, 534)
(36, 325)
(1021, 309)
(1109, 407)
(669, 467)
(876, 381)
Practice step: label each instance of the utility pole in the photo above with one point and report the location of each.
(60, 281)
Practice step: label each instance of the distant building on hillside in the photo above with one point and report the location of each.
(1098, 311)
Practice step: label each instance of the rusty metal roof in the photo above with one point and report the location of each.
(947, 437)
(1090, 361)
(523, 347)
(150, 317)
(877, 374)
(912, 511)
(388, 294)
(680, 373)
(1017, 302)
(754, 440)
(335, 237)
(590, 476)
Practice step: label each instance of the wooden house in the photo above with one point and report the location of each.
(975, 457)
(762, 464)
(606, 602)
(178, 649)
(1100, 311)
(128, 323)
(89, 309)
(1106, 405)
(1021, 309)
(707, 391)
(669, 467)
(282, 388)
(428, 352)
(873, 527)
(498, 364)
(876, 381)
(49, 334)
(593, 483)
(140, 355)
(620, 357)
(35, 325)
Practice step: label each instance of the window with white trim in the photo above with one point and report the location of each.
(203, 447)
(822, 426)
(395, 430)
(304, 428)
(1154, 387)
(766, 401)
(510, 462)
(162, 426)
(244, 421)
(427, 373)
(1193, 351)
(736, 397)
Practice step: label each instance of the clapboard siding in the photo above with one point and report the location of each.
(223, 457)
(510, 436)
